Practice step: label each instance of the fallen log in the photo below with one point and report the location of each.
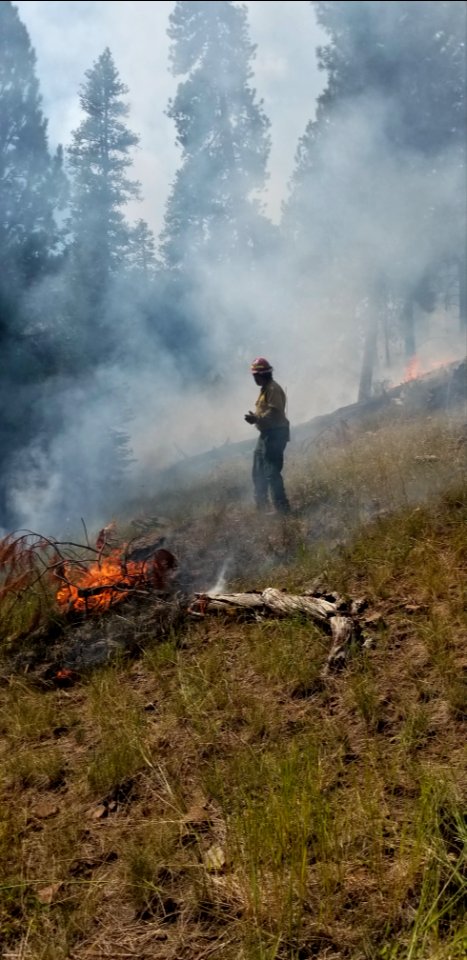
(344, 630)
(287, 604)
(270, 600)
(344, 633)
(226, 603)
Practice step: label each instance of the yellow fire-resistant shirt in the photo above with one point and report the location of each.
(270, 407)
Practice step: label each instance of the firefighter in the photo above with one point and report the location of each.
(274, 433)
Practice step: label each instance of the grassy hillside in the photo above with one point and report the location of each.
(215, 797)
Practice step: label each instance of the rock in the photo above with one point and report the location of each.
(215, 859)
(46, 895)
(97, 813)
(45, 809)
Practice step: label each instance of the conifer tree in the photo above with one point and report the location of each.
(27, 195)
(142, 250)
(99, 160)
(222, 129)
(30, 183)
(374, 200)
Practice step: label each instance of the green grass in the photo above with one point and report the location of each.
(216, 798)
(118, 723)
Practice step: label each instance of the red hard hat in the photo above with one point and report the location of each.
(260, 365)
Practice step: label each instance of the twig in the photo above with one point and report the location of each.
(85, 532)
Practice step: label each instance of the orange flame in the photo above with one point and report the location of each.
(109, 581)
(415, 368)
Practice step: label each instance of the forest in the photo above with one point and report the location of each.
(366, 266)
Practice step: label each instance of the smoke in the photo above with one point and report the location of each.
(369, 214)
(221, 582)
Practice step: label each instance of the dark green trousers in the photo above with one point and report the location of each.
(268, 461)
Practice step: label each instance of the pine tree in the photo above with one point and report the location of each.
(99, 158)
(372, 205)
(30, 184)
(27, 196)
(223, 132)
(415, 54)
(142, 250)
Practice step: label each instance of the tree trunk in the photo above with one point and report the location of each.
(369, 357)
(462, 268)
(387, 351)
(410, 348)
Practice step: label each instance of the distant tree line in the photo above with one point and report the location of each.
(74, 269)
(379, 189)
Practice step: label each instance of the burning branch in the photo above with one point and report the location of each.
(37, 573)
(113, 578)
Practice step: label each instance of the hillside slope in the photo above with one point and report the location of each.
(213, 796)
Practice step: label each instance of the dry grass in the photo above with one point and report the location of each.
(216, 799)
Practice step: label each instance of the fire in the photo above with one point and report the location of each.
(415, 368)
(111, 579)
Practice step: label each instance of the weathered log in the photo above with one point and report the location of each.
(229, 602)
(343, 632)
(288, 604)
(250, 598)
(342, 629)
(269, 601)
(275, 601)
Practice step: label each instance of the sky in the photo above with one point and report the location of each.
(69, 36)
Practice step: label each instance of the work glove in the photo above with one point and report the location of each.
(251, 417)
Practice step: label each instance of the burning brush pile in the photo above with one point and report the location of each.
(61, 598)
(138, 569)
(42, 578)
